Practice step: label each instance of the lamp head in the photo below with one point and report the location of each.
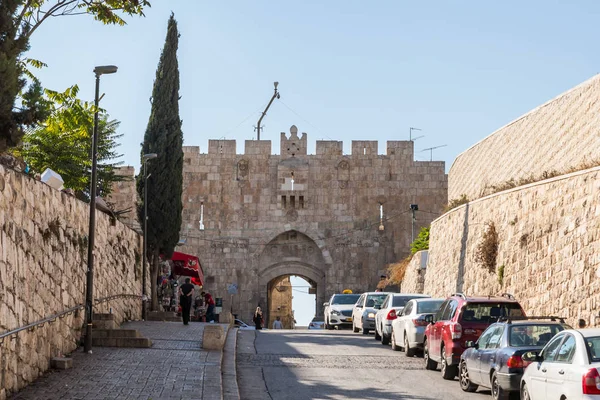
(105, 69)
(275, 84)
(149, 156)
(414, 207)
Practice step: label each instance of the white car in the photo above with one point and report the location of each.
(409, 327)
(394, 303)
(338, 310)
(566, 368)
(363, 313)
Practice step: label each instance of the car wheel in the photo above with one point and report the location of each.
(465, 383)
(366, 331)
(354, 328)
(377, 337)
(410, 352)
(525, 393)
(448, 371)
(385, 340)
(395, 347)
(328, 326)
(497, 392)
(429, 363)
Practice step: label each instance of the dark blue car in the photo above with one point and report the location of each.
(494, 361)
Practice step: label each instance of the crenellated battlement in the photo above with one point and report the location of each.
(294, 145)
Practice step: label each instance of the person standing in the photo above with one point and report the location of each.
(210, 306)
(258, 316)
(185, 300)
(277, 324)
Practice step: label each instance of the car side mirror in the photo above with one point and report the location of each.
(429, 319)
(325, 304)
(532, 356)
(470, 343)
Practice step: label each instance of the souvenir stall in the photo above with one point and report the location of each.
(173, 272)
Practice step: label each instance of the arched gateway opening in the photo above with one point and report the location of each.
(290, 253)
(289, 301)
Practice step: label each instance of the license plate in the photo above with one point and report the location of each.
(349, 319)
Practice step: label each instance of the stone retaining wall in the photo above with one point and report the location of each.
(563, 133)
(414, 278)
(43, 256)
(549, 247)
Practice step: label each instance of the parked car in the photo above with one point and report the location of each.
(338, 310)
(566, 368)
(495, 360)
(363, 312)
(317, 323)
(408, 329)
(392, 305)
(461, 319)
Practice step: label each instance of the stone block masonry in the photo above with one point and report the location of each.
(563, 133)
(548, 247)
(43, 263)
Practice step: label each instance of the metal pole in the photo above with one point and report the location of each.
(92, 228)
(144, 244)
(413, 226)
(275, 94)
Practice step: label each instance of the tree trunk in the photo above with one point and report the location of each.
(154, 270)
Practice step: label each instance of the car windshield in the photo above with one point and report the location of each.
(532, 335)
(400, 301)
(490, 312)
(345, 299)
(593, 346)
(428, 306)
(375, 300)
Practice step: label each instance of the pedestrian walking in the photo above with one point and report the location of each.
(277, 324)
(210, 306)
(185, 300)
(258, 318)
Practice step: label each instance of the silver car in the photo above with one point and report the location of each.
(391, 307)
(363, 313)
(408, 328)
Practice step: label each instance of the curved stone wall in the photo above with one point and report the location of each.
(43, 263)
(563, 133)
(549, 246)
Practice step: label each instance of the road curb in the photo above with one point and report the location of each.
(229, 382)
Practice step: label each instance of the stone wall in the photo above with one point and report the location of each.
(414, 278)
(124, 196)
(315, 216)
(43, 256)
(549, 247)
(563, 133)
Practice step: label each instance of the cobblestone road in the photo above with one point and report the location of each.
(299, 365)
(175, 367)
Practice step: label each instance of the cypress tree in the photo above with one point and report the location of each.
(164, 137)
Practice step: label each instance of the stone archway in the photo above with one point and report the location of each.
(291, 253)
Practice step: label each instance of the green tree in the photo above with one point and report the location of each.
(63, 143)
(421, 242)
(22, 106)
(164, 137)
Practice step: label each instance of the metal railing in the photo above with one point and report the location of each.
(52, 318)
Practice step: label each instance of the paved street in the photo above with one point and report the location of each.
(334, 365)
(175, 367)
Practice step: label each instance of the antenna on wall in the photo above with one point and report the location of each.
(431, 150)
(410, 133)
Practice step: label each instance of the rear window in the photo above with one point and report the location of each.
(345, 299)
(532, 335)
(490, 312)
(400, 301)
(593, 346)
(429, 306)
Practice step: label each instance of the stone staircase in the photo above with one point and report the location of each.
(106, 333)
(162, 316)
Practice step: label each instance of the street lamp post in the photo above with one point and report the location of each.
(89, 292)
(145, 159)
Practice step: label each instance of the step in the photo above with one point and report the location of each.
(108, 324)
(103, 317)
(121, 342)
(115, 333)
(163, 316)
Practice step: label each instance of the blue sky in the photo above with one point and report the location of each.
(348, 70)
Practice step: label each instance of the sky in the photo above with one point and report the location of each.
(347, 70)
(303, 303)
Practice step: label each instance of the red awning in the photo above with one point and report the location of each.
(188, 265)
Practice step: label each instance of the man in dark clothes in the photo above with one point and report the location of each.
(210, 306)
(185, 300)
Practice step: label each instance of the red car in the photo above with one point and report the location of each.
(461, 319)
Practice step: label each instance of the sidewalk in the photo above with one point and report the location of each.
(175, 367)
